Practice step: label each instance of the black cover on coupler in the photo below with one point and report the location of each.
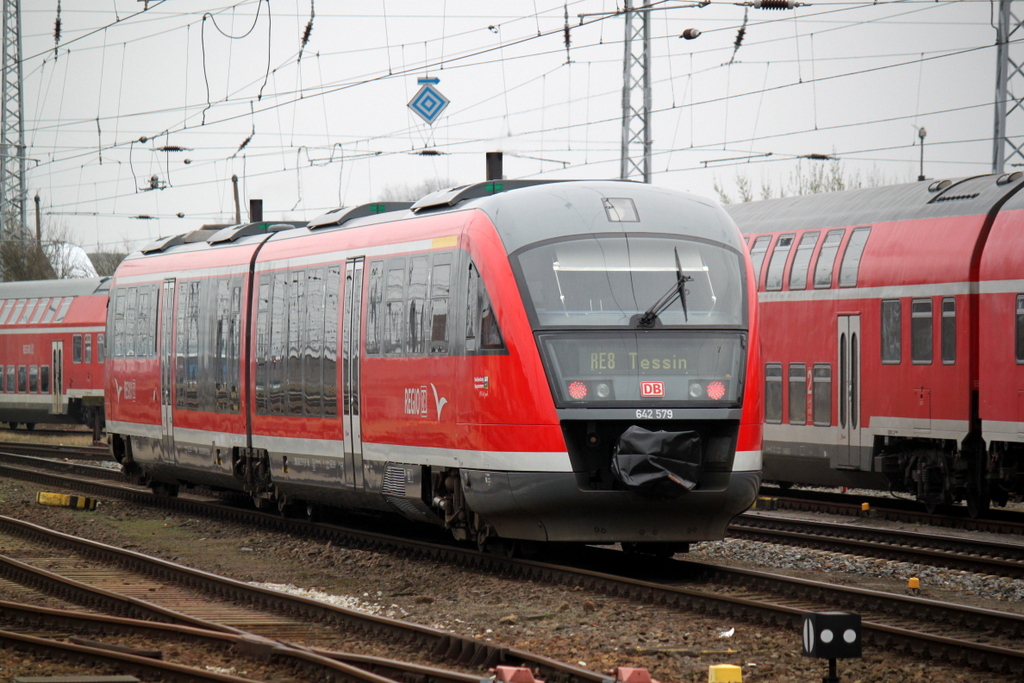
(660, 464)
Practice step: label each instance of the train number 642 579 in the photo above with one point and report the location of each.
(651, 414)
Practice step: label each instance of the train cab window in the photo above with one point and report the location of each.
(44, 379)
(419, 273)
(33, 379)
(797, 394)
(375, 308)
(76, 346)
(101, 347)
(88, 348)
(802, 260)
(1020, 328)
(777, 263)
(482, 331)
(29, 307)
(757, 251)
(394, 307)
(827, 259)
(22, 379)
(773, 393)
(440, 293)
(51, 310)
(5, 310)
(851, 257)
(65, 306)
(821, 394)
(921, 331)
(948, 330)
(892, 331)
(40, 309)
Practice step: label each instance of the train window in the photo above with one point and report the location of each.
(51, 310)
(22, 379)
(332, 309)
(440, 293)
(101, 347)
(29, 307)
(313, 350)
(5, 310)
(394, 307)
(777, 263)
(88, 348)
(1020, 328)
(415, 339)
(892, 331)
(18, 308)
(827, 259)
(773, 393)
(296, 315)
(145, 335)
(278, 344)
(33, 379)
(821, 394)
(131, 316)
(117, 313)
(187, 346)
(226, 346)
(76, 345)
(374, 307)
(921, 331)
(797, 394)
(802, 260)
(851, 257)
(44, 379)
(65, 305)
(262, 342)
(757, 251)
(10, 379)
(40, 309)
(482, 330)
(948, 330)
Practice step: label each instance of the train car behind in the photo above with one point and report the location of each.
(572, 361)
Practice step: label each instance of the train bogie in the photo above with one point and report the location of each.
(472, 361)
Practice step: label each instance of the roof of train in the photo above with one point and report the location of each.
(937, 199)
(37, 289)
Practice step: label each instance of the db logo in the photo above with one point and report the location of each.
(652, 389)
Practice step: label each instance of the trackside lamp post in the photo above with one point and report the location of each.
(832, 636)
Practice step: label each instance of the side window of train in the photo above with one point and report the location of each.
(394, 307)
(226, 345)
(262, 342)
(10, 379)
(777, 263)
(797, 394)
(88, 348)
(375, 308)
(332, 318)
(187, 346)
(821, 394)
(802, 260)
(827, 259)
(101, 347)
(892, 331)
(116, 322)
(440, 295)
(44, 379)
(76, 346)
(948, 330)
(921, 331)
(419, 272)
(773, 393)
(313, 347)
(1020, 328)
(757, 251)
(482, 330)
(131, 313)
(851, 257)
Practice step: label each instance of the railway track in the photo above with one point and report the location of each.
(987, 639)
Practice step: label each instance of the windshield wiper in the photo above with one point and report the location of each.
(676, 291)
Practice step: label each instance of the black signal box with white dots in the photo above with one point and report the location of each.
(832, 635)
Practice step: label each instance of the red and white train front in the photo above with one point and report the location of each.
(556, 362)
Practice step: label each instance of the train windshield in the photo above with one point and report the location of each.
(613, 281)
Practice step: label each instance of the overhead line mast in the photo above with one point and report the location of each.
(12, 132)
(1009, 79)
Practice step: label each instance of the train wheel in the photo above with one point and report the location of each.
(260, 503)
(159, 488)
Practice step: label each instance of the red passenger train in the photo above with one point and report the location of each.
(893, 338)
(51, 352)
(569, 361)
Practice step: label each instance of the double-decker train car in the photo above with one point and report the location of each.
(51, 351)
(892, 327)
(569, 361)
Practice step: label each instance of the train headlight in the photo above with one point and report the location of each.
(696, 390)
(603, 390)
(577, 390)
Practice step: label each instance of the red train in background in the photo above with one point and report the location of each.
(569, 361)
(892, 324)
(51, 352)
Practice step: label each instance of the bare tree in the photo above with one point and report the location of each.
(410, 193)
(53, 257)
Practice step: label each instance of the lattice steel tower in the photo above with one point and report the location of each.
(636, 97)
(12, 132)
(1006, 148)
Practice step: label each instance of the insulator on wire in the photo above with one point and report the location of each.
(739, 38)
(690, 33)
(774, 4)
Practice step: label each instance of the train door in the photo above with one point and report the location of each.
(166, 317)
(849, 456)
(350, 340)
(57, 384)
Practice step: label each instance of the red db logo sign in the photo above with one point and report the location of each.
(652, 389)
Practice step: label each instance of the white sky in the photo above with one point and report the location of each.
(852, 79)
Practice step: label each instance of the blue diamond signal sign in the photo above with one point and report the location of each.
(428, 103)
